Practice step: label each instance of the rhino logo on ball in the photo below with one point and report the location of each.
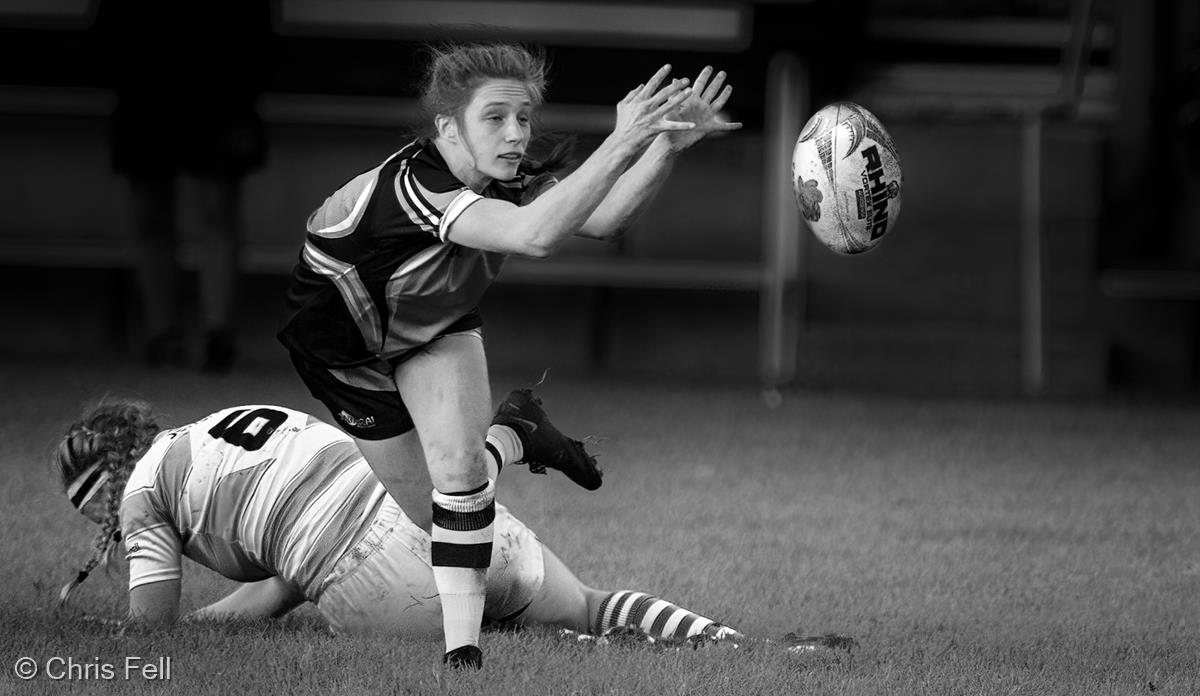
(808, 198)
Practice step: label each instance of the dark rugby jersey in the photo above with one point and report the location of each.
(377, 276)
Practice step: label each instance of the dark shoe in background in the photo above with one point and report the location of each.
(220, 352)
(167, 349)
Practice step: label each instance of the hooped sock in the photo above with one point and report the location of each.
(463, 528)
(656, 617)
(503, 447)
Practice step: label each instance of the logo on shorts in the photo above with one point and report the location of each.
(362, 423)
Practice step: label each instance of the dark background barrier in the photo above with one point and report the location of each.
(938, 307)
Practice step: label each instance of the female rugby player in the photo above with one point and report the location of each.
(381, 321)
(286, 504)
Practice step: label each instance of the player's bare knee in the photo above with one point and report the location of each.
(454, 469)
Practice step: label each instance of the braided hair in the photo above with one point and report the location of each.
(95, 457)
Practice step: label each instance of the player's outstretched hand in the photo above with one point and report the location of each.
(703, 108)
(643, 113)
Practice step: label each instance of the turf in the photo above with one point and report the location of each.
(968, 546)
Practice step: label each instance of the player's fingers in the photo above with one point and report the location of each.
(655, 80)
(668, 90)
(669, 125)
(713, 88)
(672, 102)
(702, 80)
(669, 93)
(723, 97)
(632, 93)
(729, 125)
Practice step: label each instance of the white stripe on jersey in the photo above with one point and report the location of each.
(353, 291)
(425, 216)
(456, 208)
(421, 258)
(347, 226)
(300, 544)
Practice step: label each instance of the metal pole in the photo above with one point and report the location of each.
(780, 301)
(1032, 278)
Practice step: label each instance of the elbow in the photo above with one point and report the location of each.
(606, 226)
(604, 233)
(538, 250)
(538, 246)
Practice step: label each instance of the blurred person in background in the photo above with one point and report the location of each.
(187, 77)
(381, 318)
(280, 501)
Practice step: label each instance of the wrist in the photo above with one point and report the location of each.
(666, 146)
(618, 149)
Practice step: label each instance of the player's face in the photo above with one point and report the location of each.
(495, 128)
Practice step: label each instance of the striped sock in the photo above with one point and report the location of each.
(460, 555)
(503, 448)
(656, 617)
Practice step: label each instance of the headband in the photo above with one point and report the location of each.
(86, 485)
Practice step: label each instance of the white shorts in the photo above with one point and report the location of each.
(385, 583)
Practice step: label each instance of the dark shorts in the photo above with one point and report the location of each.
(363, 400)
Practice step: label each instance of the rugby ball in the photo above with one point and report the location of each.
(847, 178)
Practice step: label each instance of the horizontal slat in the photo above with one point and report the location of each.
(1150, 284)
(636, 273)
(82, 252)
(605, 271)
(293, 109)
(924, 88)
(387, 112)
(715, 25)
(995, 32)
(56, 101)
(47, 14)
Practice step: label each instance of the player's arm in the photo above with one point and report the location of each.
(631, 194)
(155, 554)
(638, 186)
(155, 603)
(266, 599)
(538, 228)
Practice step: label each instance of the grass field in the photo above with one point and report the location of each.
(970, 547)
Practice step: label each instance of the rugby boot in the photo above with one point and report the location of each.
(463, 657)
(166, 349)
(545, 447)
(220, 351)
(718, 633)
(795, 643)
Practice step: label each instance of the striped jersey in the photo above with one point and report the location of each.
(250, 492)
(377, 276)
